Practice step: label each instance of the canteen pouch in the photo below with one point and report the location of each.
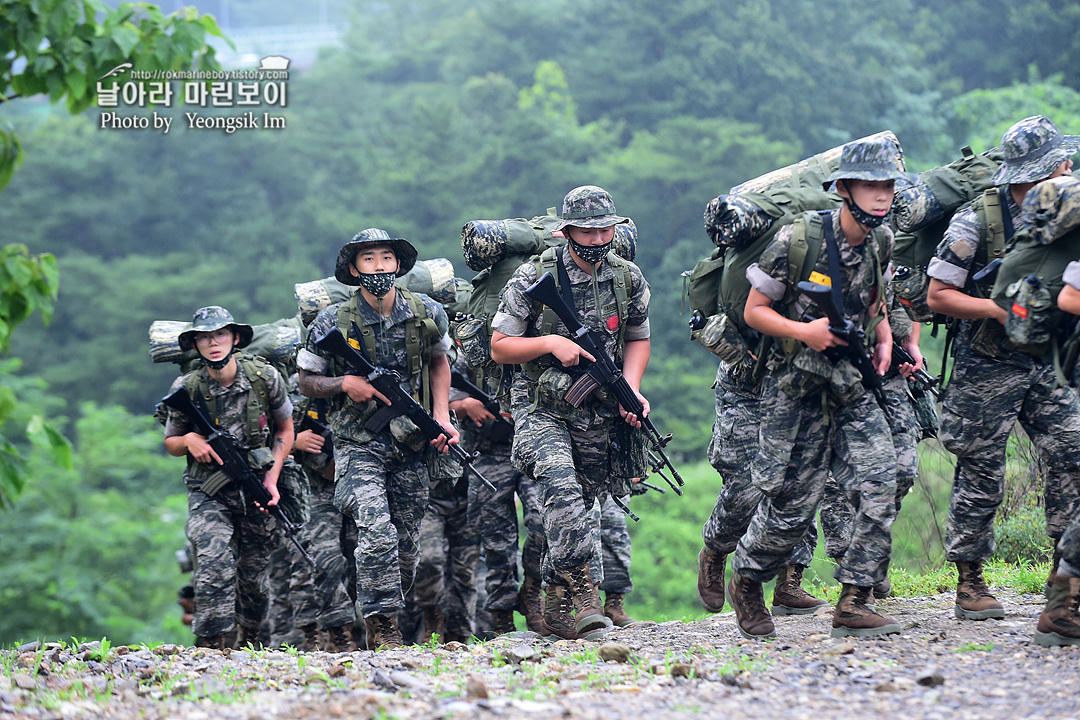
(472, 338)
(810, 371)
(911, 290)
(722, 338)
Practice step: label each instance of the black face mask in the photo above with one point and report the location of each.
(864, 218)
(591, 254)
(216, 364)
(378, 284)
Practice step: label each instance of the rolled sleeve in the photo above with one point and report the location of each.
(442, 347)
(1071, 276)
(310, 362)
(765, 284)
(507, 324)
(637, 332)
(947, 273)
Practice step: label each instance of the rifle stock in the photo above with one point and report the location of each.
(928, 383)
(603, 371)
(855, 350)
(501, 430)
(388, 383)
(234, 463)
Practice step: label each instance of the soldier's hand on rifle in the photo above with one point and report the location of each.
(270, 483)
(817, 335)
(200, 449)
(631, 418)
(473, 409)
(566, 351)
(309, 441)
(906, 369)
(441, 442)
(360, 390)
(883, 356)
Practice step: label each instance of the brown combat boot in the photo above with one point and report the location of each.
(530, 605)
(382, 632)
(854, 618)
(434, 624)
(613, 608)
(883, 589)
(558, 617)
(339, 639)
(1059, 622)
(973, 599)
(1054, 560)
(310, 638)
(751, 616)
(502, 622)
(588, 612)
(788, 596)
(710, 579)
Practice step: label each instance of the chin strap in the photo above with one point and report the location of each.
(864, 218)
(216, 364)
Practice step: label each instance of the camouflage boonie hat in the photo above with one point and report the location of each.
(1033, 147)
(588, 206)
(1052, 209)
(211, 318)
(873, 158)
(406, 253)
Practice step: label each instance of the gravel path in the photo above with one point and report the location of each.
(939, 669)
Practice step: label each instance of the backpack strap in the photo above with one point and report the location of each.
(995, 221)
(807, 238)
(258, 405)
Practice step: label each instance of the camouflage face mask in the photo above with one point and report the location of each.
(591, 254)
(378, 284)
(864, 218)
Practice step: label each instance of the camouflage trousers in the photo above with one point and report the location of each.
(983, 401)
(449, 553)
(386, 499)
(497, 523)
(1069, 547)
(615, 549)
(290, 591)
(837, 514)
(325, 536)
(732, 448)
(565, 451)
(232, 542)
(797, 453)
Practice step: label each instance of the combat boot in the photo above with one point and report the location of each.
(613, 608)
(1059, 622)
(853, 617)
(788, 596)
(382, 632)
(502, 622)
(710, 579)
(558, 617)
(1054, 560)
(248, 636)
(434, 624)
(883, 589)
(588, 612)
(216, 642)
(751, 616)
(339, 639)
(973, 599)
(530, 604)
(310, 641)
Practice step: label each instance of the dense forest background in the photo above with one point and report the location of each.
(429, 114)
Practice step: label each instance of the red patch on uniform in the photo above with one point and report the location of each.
(262, 421)
(613, 322)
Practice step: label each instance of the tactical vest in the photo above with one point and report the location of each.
(420, 333)
(621, 283)
(995, 228)
(257, 372)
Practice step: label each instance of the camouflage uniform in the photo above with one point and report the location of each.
(449, 553)
(837, 514)
(732, 448)
(381, 481)
(231, 538)
(800, 445)
(615, 549)
(990, 390)
(565, 449)
(324, 535)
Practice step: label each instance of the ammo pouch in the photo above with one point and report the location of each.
(911, 290)
(260, 459)
(552, 386)
(722, 338)
(1031, 317)
(408, 438)
(808, 373)
(988, 338)
(472, 338)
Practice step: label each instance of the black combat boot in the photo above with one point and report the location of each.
(502, 622)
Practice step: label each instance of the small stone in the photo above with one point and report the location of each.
(729, 679)
(455, 646)
(336, 671)
(29, 647)
(930, 677)
(23, 681)
(614, 651)
(476, 688)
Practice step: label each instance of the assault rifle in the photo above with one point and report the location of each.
(233, 462)
(603, 371)
(988, 274)
(855, 337)
(923, 378)
(500, 428)
(310, 420)
(388, 383)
